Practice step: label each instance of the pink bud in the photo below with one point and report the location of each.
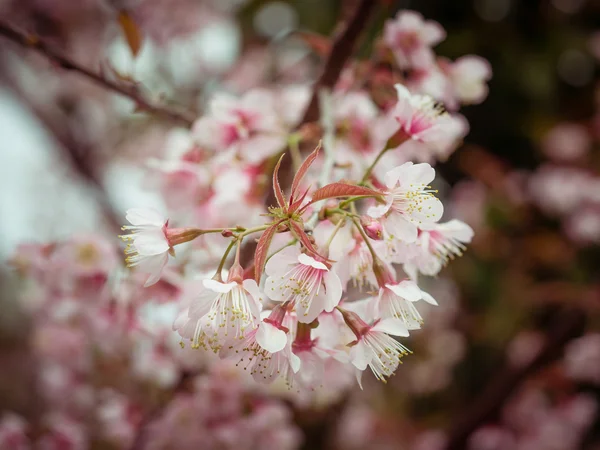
(372, 227)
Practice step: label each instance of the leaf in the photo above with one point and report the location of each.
(294, 206)
(131, 31)
(262, 249)
(319, 44)
(302, 171)
(301, 235)
(276, 186)
(335, 190)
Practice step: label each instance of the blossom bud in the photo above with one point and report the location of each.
(372, 227)
(227, 233)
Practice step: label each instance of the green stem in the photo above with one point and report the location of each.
(223, 259)
(372, 166)
(365, 238)
(334, 232)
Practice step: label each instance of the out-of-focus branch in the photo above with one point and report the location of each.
(342, 47)
(567, 325)
(131, 91)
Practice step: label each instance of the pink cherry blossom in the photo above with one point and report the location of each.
(436, 244)
(148, 245)
(248, 127)
(409, 201)
(424, 122)
(221, 310)
(265, 351)
(374, 346)
(469, 75)
(411, 37)
(567, 142)
(299, 278)
(396, 300)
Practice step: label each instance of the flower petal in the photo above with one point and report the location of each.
(217, 286)
(407, 290)
(271, 338)
(145, 216)
(392, 326)
(303, 258)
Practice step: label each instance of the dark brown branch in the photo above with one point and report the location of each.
(567, 325)
(131, 91)
(342, 47)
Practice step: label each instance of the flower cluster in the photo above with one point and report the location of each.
(333, 281)
(290, 313)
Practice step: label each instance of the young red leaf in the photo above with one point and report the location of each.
(321, 45)
(131, 31)
(276, 186)
(302, 171)
(262, 248)
(335, 190)
(294, 206)
(301, 235)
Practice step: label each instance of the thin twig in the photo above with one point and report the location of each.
(344, 42)
(341, 49)
(131, 91)
(568, 325)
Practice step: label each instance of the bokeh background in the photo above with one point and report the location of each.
(511, 357)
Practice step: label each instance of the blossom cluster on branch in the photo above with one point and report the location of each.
(337, 260)
(339, 256)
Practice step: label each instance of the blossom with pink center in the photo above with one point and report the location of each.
(396, 300)
(249, 127)
(411, 37)
(221, 311)
(424, 121)
(266, 350)
(409, 201)
(308, 284)
(374, 346)
(436, 244)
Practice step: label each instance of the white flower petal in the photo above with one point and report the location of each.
(392, 326)
(407, 290)
(303, 258)
(333, 288)
(217, 286)
(145, 216)
(271, 338)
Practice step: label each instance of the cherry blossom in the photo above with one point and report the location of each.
(436, 244)
(374, 346)
(425, 122)
(248, 127)
(266, 350)
(409, 201)
(148, 246)
(309, 284)
(411, 37)
(220, 309)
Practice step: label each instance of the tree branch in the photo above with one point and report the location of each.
(567, 325)
(131, 91)
(342, 47)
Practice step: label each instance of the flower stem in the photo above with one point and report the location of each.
(217, 275)
(365, 238)
(334, 232)
(372, 166)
